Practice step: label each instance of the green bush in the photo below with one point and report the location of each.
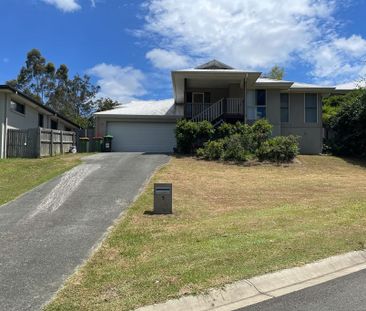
(233, 149)
(279, 149)
(192, 135)
(225, 130)
(212, 150)
(261, 131)
(348, 124)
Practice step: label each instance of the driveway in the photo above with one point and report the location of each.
(46, 233)
(344, 293)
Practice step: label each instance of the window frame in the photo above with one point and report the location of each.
(203, 97)
(261, 106)
(317, 108)
(56, 121)
(288, 109)
(17, 104)
(40, 117)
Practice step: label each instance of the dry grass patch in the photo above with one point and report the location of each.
(230, 222)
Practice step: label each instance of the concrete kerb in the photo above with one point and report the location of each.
(247, 292)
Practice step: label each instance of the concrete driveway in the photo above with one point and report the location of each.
(46, 233)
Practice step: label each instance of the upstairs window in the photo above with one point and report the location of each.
(40, 120)
(284, 107)
(261, 104)
(198, 97)
(54, 124)
(20, 108)
(311, 108)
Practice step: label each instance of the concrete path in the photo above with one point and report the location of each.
(46, 233)
(345, 293)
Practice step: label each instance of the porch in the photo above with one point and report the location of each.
(227, 109)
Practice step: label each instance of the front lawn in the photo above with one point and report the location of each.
(20, 175)
(230, 222)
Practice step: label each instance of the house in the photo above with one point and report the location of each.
(19, 111)
(217, 92)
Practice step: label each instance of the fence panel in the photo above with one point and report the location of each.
(38, 142)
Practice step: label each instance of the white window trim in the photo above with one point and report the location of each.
(317, 109)
(203, 96)
(289, 101)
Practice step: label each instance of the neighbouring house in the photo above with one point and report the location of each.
(216, 92)
(19, 111)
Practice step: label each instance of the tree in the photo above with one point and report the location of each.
(36, 77)
(348, 124)
(71, 97)
(103, 104)
(276, 73)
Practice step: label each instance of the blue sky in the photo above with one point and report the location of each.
(130, 47)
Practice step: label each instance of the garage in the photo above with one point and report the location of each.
(142, 136)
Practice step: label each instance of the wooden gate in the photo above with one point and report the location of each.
(22, 143)
(38, 142)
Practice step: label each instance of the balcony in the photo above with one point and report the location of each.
(225, 108)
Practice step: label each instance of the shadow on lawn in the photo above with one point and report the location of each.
(361, 162)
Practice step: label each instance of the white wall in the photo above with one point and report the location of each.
(19, 121)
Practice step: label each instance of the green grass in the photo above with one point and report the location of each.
(229, 223)
(20, 175)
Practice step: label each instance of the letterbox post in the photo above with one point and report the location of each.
(163, 198)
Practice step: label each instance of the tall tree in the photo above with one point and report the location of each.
(70, 97)
(276, 73)
(35, 77)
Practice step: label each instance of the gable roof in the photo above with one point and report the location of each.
(37, 103)
(213, 65)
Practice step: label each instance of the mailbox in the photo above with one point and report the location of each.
(163, 199)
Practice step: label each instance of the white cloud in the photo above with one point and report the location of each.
(252, 34)
(64, 5)
(339, 57)
(120, 83)
(164, 59)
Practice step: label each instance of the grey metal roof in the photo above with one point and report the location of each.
(214, 64)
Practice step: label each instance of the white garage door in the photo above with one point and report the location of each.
(142, 136)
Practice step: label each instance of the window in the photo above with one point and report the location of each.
(198, 98)
(40, 120)
(311, 108)
(256, 107)
(54, 125)
(17, 107)
(284, 107)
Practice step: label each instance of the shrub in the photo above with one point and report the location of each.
(191, 135)
(349, 125)
(225, 130)
(212, 150)
(279, 149)
(233, 149)
(261, 132)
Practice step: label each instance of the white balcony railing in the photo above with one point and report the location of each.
(228, 106)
